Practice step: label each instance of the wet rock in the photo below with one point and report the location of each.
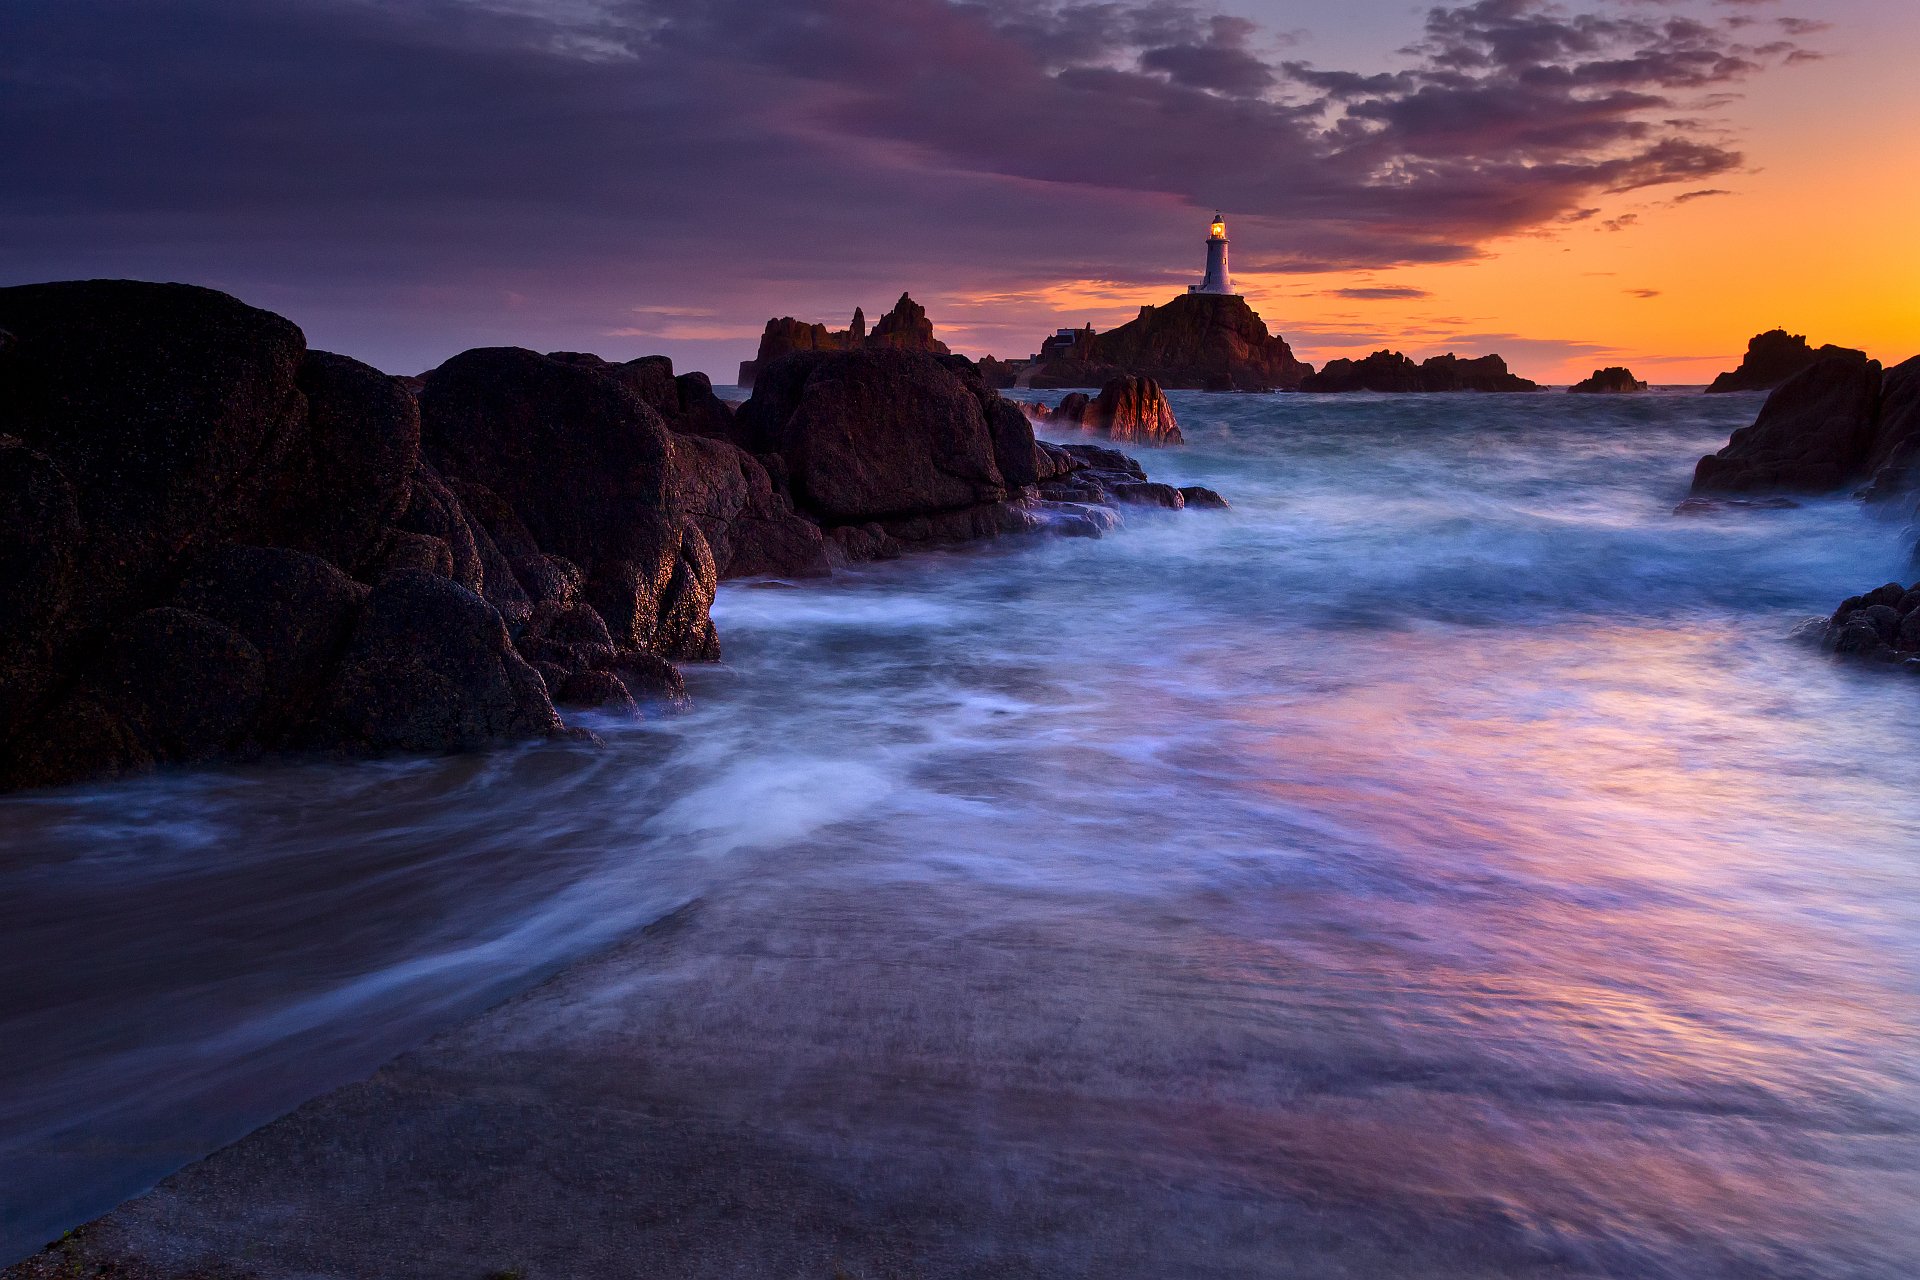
(585, 464)
(429, 668)
(1149, 493)
(296, 611)
(597, 690)
(751, 528)
(1071, 410)
(873, 435)
(1775, 356)
(1814, 434)
(854, 543)
(549, 579)
(1894, 463)
(1134, 411)
(349, 475)
(1202, 497)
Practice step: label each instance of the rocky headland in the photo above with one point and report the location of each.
(1614, 380)
(1196, 342)
(904, 328)
(1390, 371)
(1775, 356)
(1842, 423)
(219, 544)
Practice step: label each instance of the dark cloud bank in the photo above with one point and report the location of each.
(409, 176)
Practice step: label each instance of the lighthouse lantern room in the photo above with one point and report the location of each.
(1216, 280)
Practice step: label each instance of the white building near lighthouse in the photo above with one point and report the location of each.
(1216, 280)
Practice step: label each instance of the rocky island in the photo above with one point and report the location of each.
(1196, 342)
(904, 328)
(1390, 371)
(219, 544)
(1611, 381)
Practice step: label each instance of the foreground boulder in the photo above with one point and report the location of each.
(1775, 356)
(216, 544)
(1818, 432)
(1390, 371)
(1611, 381)
(430, 667)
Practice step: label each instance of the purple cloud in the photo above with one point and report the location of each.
(410, 177)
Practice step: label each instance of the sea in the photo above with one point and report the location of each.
(1448, 861)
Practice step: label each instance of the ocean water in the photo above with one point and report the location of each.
(1444, 862)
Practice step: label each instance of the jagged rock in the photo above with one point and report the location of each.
(1613, 380)
(750, 528)
(873, 435)
(1895, 460)
(429, 668)
(1207, 342)
(1072, 409)
(349, 475)
(296, 611)
(1390, 371)
(1775, 356)
(702, 413)
(1133, 411)
(905, 328)
(549, 579)
(1815, 433)
(161, 414)
(586, 466)
(437, 511)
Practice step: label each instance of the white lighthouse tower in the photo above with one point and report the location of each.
(1216, 280)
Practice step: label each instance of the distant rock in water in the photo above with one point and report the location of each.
(1773, 357)
(1196, 342)
(1390, 371)
(1839, 422)
(1128, 411)
(1613, 380)
(905, 328)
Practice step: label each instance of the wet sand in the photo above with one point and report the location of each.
(918, 1082)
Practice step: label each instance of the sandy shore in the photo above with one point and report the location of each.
(877, 1083)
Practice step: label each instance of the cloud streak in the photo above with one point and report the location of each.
(491, 168)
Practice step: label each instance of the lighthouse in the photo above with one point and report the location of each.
(1216, 279)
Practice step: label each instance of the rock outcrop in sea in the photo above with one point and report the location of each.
(1390, 371)
(1198, 341)
(905, 328)
(1773, 357)
(1610, 381)
(1838, 423)
(1127, 410)
(217, 544)
(1881, 626)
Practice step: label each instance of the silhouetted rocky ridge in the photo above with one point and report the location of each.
(1840, 422)
(217, 544)
(1390, 371)
(1775, 356)
(1196, 342)
(1611, 381)
(905, 328)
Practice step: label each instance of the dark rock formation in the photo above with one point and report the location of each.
(1132, 411)
(1894, 463)
(1613, 380)
(905, 328)
(1208, 342)
(1816, 433)
(430, 668)
(1881, 626)
(1390, 371)
(216, 544)
(1775, 356)
(874, 436)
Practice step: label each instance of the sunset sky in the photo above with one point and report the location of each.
(1600, 181)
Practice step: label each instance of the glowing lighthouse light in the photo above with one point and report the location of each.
(1216, 280)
